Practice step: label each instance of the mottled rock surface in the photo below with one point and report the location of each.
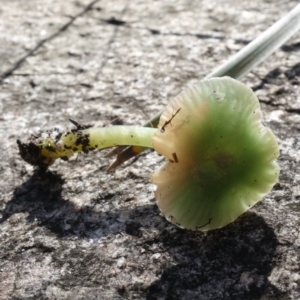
(76, 232)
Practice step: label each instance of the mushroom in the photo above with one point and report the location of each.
(221, 159)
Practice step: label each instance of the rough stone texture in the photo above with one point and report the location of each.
(76, 232)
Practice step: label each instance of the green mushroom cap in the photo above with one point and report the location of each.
(221, 158)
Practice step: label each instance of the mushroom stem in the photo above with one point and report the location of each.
(44, 149)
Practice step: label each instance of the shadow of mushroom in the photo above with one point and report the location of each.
(41, 197)
(230, 263)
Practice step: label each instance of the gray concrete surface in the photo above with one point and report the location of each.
(76, 232)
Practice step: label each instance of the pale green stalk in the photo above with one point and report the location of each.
(43, 149)
(63, 145)
(107, 137)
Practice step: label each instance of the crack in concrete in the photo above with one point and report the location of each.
(19, 62)
(119, 22)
